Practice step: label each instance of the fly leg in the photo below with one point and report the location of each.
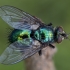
(50, 24)
(40, 52)
(51, 46)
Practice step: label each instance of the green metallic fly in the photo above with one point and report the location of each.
(30, 35)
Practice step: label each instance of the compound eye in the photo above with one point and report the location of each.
(59, 31)
(59, 39)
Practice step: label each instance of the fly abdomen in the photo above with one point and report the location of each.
(18, 35)
(24, 36)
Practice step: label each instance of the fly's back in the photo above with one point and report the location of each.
(44, 34)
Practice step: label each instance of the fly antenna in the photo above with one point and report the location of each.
(68, 38)
(68, 34)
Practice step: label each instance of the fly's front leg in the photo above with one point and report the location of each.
(50, 24)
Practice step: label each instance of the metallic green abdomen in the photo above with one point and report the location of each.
(18, 35)
(44, 35)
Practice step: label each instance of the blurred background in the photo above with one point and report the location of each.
(55, 11)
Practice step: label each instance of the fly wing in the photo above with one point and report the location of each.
(18, 19)
(18, 51)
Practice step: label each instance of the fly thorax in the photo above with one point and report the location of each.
(44, 35)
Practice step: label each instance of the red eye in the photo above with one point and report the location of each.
(59, 30)
(59, 39)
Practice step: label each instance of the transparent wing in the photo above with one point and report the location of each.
(18, 19)
(19, 51)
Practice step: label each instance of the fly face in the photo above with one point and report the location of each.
(60, 34)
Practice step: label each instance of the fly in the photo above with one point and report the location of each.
(30, 35)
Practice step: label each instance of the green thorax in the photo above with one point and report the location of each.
(44, 35)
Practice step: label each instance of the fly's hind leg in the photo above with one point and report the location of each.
(51, 46)
(40, 52)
